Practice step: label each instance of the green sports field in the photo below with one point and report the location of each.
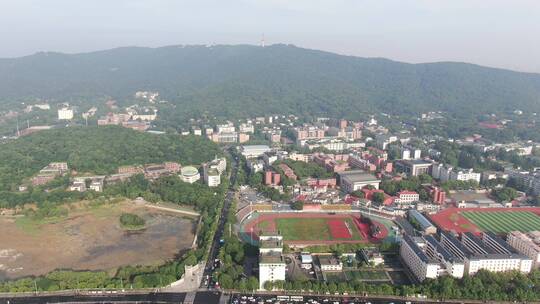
(504, 221)
(311, 229)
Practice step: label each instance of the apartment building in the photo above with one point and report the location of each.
(419, 263)
(488, 253)
(448, 173)
(406, 197)
(527, 244)
(272, 265)
(453, 266)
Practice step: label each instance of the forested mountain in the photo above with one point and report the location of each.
(241, 80)
(99, 150)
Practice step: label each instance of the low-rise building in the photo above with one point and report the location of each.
(289, 173)
(246, 128)
(196, 131)
(189, 174)
(406, 197)
(255, 165)
(130, 169)
(372, 256)
(78, 185)
(96, 185)
(300, 157)
(65, 113)
(413, 167)
(351, 181)
(306, 260)
(421, 222)
(224, 137)
(330, 263)
(254, 151)
(225, 128)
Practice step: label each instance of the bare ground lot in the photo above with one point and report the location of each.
(90, 238)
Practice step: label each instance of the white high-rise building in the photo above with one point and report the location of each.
(446, 173)
(272, 266)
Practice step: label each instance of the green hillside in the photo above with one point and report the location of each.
(246, 80)
(98, 150)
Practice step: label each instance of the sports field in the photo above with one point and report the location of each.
(314, 229)
(497, 220)
(305, 229)
(504, 222)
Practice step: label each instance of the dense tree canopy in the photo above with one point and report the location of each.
(239, 81)
(98, 150)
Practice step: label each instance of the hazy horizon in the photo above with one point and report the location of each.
(497, 33)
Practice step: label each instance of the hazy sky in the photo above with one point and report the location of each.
(500, 33)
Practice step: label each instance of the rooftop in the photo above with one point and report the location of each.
(422, 220)
(417, 250)
(416, 162)
(271, 258)
(358, 176)
(267, 244)
(447, 255)
(255, 147)
(189, 171)
(328, 260)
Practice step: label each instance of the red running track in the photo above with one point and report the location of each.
(338, 229)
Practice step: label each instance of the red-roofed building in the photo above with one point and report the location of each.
(351, 199)
(301, 197)
(387, 167)
(329, 182)
(288, 171)
(438, 196)
(272, 178)
(331, 162)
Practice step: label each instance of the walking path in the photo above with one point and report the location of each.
(192, 213)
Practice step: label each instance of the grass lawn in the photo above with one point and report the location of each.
(32, 226)
(264, 225)
(335, 277)
(503, 221)
(362, 275)
(356, 236)
(303, 229)
(311, 229)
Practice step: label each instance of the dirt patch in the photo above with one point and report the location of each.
(90, 238)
